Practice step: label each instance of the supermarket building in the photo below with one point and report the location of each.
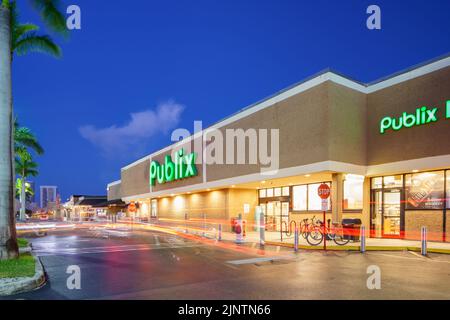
(383, 148)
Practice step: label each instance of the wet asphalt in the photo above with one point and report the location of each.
(132, 264)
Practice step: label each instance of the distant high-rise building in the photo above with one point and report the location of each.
(48, 194)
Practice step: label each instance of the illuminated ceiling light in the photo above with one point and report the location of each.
(307, 175)
(233, 186)
(171, 194)
(208, 189)
(264, 181)
(415, 170)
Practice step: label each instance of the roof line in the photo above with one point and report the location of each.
(326, 74)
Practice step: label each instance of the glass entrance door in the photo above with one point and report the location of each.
(391, 213)
(386, 213)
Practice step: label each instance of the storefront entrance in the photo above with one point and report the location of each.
(387, 211)
(275, 213)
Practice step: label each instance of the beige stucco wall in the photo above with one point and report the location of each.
(299, 120)
(427, 140)
(114, 192)
(135, 180)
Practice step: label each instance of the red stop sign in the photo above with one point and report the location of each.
(323, 191)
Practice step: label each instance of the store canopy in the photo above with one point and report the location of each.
(90, 200)
(112, 203)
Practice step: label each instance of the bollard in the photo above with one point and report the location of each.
(423, 238)
(219, 237)
(296, 240)
(262, 230)
(204, 225)
(363, 238)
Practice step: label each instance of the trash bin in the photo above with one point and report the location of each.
(233, 225)
(351, 228)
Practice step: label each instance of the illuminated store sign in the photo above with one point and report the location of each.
(421, 116)
(183, 167)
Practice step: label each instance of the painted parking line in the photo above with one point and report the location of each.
(76, 251)
(257, 260)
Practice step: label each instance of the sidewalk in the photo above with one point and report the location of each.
(274, 238)
(372, 244)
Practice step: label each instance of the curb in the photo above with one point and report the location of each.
(11, 286)
(358, 248)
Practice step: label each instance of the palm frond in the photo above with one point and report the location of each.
(23, 138)
(34, 43)
(20, 30)
(51, 15)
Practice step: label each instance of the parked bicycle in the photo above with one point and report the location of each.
(306, 227)
(335, 233)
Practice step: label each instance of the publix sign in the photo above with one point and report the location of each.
(182, 167)
(421, 116)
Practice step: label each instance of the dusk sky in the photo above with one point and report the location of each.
(138, 69)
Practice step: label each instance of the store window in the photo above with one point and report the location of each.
(269, 193)
(277, 192)
(285, 191)
(425, 190)
(393, 181)
(262, 193)
(154, 208)
(314, 201)
(300, 197)
(377, 183)
(353, 192)
(448, 188)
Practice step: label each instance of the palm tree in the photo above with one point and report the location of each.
(24, 38)
(54, 19)
(25, 167)
(24, 139)
(28, 190)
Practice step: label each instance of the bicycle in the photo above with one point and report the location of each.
(306, 227)
(336, 234)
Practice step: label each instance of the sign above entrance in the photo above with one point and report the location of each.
(421, 116)
(183, 167)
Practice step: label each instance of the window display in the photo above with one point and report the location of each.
(425, 190)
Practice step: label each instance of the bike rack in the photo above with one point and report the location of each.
(288, 231)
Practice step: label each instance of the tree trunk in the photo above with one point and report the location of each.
(23, 199)
(8, 241)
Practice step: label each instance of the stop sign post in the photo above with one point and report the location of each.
(324, 193)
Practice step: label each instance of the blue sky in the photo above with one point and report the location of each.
(134, 67)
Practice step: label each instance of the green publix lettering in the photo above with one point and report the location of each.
(423, 115)
(183, 167)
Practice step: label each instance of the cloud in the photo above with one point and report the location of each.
(134, 136)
